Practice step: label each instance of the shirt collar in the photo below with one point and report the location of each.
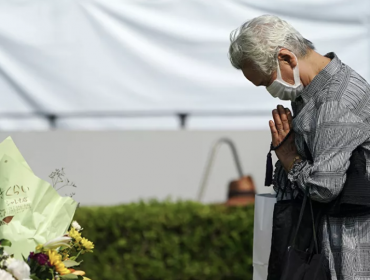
(322, 78)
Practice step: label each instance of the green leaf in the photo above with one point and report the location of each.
(5, 242)
(1, 251)
(69, 277)
(71, 263)
(34, 277)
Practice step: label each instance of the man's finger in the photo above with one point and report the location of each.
(277, 120)
(289, 116)
(283, 117)
(274, 133)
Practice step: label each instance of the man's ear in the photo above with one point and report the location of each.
(286, 56)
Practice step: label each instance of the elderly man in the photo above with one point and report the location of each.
(331, 106)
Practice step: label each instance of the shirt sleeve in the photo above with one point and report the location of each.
(338, 132)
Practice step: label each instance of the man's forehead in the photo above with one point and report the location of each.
(251, 71)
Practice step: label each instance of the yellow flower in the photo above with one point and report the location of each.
(56, 261)
(73, 233)
(87, 245)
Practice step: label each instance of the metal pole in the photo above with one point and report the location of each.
(183, 118)
(211, 160)
(52, 121)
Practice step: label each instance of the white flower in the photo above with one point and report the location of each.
(8, 261)
(76, 226)
(5, 275)
(19, 269)
(57, 242)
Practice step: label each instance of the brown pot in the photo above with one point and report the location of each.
(241, 192)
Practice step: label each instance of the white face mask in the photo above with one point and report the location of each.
(283, 90)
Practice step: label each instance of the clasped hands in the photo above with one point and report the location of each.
(280, 127)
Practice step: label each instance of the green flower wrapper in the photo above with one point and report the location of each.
(31, 211)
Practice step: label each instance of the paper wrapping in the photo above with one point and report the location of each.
(38, 213)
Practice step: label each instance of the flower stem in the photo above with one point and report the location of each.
(79, 253)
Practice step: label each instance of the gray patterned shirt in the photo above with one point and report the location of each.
(332, 115)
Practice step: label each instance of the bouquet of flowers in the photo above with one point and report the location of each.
(36, 223)
(56, 259)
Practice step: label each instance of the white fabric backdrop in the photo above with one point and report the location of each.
(78, 56)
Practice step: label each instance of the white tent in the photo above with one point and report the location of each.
(97, 64)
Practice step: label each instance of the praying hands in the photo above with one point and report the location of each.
(280, 128)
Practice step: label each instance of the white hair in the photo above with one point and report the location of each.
(257, 42)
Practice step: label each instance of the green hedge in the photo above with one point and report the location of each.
(168, 241)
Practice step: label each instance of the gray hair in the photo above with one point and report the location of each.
(258, 40)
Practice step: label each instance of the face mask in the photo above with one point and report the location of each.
(283, 90)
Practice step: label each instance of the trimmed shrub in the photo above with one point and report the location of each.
(168, 241)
